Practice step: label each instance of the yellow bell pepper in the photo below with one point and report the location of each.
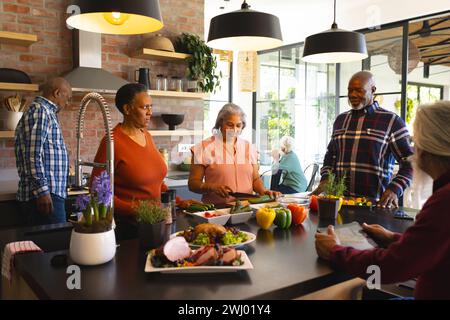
(265, 217)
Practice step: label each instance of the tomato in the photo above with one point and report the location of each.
(299, 213)
(314, 205)
(178, 200)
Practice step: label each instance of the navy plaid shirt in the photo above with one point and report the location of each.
(41, 155)
(365, 144)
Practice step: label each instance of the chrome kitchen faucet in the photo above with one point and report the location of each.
(109, 165)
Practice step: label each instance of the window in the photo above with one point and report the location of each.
(294, 99)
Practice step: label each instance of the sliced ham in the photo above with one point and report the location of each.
(177, 249)
(207, 257)
(229, 255)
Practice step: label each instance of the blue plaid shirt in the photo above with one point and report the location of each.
(41, 155)
(365, 144)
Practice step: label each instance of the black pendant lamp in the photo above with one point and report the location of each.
(116, 16)
(335, 45)
(244, 30)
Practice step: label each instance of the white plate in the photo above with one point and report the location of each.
(202, 269)
(222, 219)
(251, 238)
(264, 205)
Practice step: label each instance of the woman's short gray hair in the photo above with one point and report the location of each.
(431, 128)
(287, 143)
(228, 110)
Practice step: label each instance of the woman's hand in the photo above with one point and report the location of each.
(272, 194)
(326, 242)
(221, 190)
(379, 233)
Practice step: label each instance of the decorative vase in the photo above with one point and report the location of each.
(153, 235)
(9, 120)
(328, 209)
(91, 249)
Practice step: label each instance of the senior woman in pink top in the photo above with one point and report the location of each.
(225, 163)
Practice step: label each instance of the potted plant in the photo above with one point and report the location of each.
(151, 219)
(93, 240)
(330, 201)
(202, 64)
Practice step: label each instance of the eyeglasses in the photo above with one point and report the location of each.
(147, 107)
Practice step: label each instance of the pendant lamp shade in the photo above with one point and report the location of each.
(335, 45)
(245, 30)
(117, 16)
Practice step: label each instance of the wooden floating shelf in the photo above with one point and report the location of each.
(15, 38)
(153, 93)
(177, 94)
(19, 86)
(160, 55)
(6, 134)
(175, 133)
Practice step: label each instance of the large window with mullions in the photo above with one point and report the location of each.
(294, 99)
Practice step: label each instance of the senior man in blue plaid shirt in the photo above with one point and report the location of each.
(41, 156)
(365, 143)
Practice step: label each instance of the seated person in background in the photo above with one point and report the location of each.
(139, 168)
(293, 179)
(225, 163)
(423, 251)
(364, 145)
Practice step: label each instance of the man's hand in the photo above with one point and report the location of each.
(319, 188)
(45, 205)
(326, 242)
(389, 199)
(378, 233)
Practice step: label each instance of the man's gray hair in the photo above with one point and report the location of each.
(228, 110)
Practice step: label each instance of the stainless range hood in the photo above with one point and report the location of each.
(88, 75)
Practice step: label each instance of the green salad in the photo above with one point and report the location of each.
(228, 238)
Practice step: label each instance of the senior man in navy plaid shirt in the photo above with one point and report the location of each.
(365, 143)
(41, 156)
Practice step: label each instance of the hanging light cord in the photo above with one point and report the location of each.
(334, 25)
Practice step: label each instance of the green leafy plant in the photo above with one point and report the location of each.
(409, 108)
(335, 187)
(149, 212)
(202, 64)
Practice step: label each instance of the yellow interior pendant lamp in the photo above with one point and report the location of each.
(335, 45)
(116, 16)
(245, 30)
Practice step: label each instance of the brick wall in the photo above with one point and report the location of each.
(52, 55)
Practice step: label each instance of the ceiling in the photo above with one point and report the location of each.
(431, 37)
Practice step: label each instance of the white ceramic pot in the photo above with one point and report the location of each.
(92, 248)
(9, 120)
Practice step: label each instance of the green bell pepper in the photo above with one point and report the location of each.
(283, 218)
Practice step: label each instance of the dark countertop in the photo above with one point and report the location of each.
(285, 266)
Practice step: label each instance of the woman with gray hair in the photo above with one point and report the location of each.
(293, 179)
(423, 251)
(225, 163)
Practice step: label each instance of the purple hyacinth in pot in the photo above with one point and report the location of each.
(96, 207)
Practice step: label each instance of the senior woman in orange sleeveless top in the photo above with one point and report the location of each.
(225, 163)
